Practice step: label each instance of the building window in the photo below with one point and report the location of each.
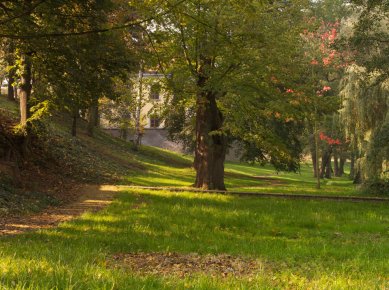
(155, 122)
(155, 91)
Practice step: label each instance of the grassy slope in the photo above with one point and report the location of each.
(104, 159)
(315, 244)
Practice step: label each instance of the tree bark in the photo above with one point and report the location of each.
(313, 157)
(25, 88)
(352, 165)
(74, 123)
(11, 90)
(312, 150)
(11, 71)
(342, 162)
(328, 173)
(93, 112)
(326, 164)
(138, 111)
(336, 165)
(211, 146)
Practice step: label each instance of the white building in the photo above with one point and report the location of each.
(150, 97)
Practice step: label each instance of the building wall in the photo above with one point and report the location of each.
(150, 105)
(157, 136)
(153, 137)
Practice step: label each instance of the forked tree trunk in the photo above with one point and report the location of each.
(211, 146)
(326, 164)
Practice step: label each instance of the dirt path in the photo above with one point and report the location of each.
(91, 198)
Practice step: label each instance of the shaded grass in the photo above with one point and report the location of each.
(8, 107)
(302, 244)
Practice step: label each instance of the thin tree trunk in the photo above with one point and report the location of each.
(313, 157)
(92, 117)
(317, 152)
(328, 173)
(352, 165)
(74, 123)
(97, 115)
(342, 162)
(25, 88)
(336, 165)
(312, 150)
(11, 72)
(11, 91)
(138, 110)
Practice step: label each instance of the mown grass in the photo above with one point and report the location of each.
(302, 244)
(174, 170)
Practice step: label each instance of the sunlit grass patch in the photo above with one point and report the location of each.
(242, 177)
(301, 244)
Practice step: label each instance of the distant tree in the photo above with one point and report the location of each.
(365, 90)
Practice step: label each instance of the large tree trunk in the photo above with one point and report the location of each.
(211, 147)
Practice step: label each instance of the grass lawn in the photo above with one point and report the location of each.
(175, 171)
(300, 244)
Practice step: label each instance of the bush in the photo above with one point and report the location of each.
(380, 187)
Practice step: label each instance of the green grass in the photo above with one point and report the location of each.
(241, 177)
(302, 244)
(8, 107)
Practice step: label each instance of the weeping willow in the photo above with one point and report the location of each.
(365, 115)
